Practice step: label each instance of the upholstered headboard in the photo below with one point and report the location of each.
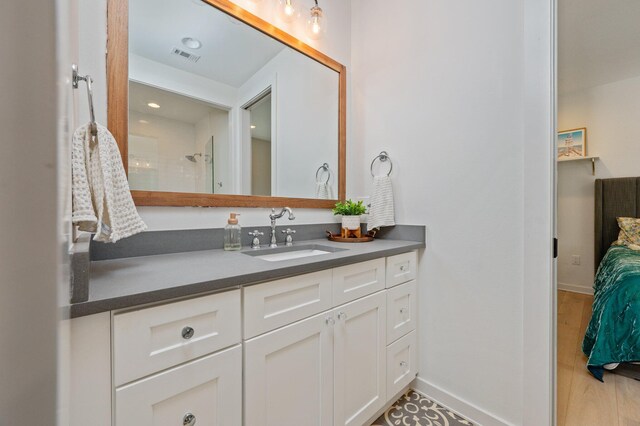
(614, 198)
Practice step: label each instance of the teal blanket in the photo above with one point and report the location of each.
(613, 334)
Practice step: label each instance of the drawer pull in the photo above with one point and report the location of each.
(188, 420)
(187, 333)
(342, 316)
(402, 268)
(403, 364)
(330, 321)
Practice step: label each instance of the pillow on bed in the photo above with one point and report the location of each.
(629, 232)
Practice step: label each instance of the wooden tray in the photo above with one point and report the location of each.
(339, 239)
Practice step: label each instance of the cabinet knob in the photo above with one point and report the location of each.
(330, 321)
(402, 267)
(188, 420)
(187, 333)
(342, 316)
(403, 310)
(403, 364)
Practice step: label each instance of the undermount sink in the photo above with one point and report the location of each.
(289, 253)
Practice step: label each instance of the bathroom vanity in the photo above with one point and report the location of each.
(169, 329)
(328, 339)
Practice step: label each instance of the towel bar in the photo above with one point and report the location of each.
(76, 78)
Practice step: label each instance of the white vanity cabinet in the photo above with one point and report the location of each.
(328, 348)
(339, 366)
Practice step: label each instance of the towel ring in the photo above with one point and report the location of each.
(383, 157)
(324, 167)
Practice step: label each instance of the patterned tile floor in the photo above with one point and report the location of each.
(413, 409)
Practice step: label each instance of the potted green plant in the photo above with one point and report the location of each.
(350, 211)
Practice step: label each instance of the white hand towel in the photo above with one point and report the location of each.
(381, 212)
(102, 200)
(323, 191)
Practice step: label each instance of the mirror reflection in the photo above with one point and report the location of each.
(218, 107)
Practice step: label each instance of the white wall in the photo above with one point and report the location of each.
(215, 124)
(611, 114)
(440, 86)
(159, 75)
(306, 98)
(173, 140)
(34, 108)
(92, 15)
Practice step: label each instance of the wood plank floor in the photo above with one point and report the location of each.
(583, 400)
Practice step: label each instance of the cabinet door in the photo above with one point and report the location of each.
(360, 360)
(207, 391)
(289, 375)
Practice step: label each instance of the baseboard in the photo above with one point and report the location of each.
(457, 405)
(575, 288)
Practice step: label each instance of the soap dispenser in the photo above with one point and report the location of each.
(232, 233)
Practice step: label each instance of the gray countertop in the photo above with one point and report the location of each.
(127, 282)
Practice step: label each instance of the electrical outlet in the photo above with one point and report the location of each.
(575, 259)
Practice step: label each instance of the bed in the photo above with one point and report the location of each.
(613, 334)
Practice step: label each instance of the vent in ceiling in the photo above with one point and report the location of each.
(185, 55)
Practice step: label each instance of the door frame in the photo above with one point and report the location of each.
(539, 292)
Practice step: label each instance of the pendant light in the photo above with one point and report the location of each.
(316, 25)
(287, 10)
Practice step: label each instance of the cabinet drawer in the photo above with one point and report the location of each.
(209, 388)
(152, 339)
(277, 303)
(401, 268)
(354, 281)
(401, 310)
(402, 363)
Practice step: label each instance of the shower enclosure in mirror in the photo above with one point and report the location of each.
(218, 108)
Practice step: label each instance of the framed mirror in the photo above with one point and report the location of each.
(213, 106)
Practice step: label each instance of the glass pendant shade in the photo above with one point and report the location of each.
(316, 24)
(287, 10)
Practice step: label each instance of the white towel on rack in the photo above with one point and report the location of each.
(102, 201)
(323, 191)
(381, 212)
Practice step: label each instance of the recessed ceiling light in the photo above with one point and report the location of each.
(143, 122)
(153, 105)
(192, 43)
(253, 127)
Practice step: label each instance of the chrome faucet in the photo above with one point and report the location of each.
(273, 216)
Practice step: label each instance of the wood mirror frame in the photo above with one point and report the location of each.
(118, 110)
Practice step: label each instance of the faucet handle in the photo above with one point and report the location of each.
(255, 243)
(289, 239)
